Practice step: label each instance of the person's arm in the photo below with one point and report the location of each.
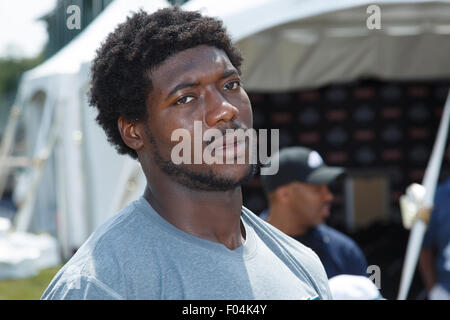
(427, 267)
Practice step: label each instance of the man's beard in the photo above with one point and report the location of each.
(203, 181)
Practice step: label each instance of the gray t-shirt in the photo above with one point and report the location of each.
(138, 254)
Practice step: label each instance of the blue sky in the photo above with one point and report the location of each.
(20, 34)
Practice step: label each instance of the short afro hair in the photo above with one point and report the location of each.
(120, 82)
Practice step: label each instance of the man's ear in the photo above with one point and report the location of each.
(131, 133)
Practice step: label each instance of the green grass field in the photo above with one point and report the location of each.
(27, 288)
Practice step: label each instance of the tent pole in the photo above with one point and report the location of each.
(6, 145)
(429, 182)
(24, 214)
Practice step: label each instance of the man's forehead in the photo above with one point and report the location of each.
(191, 63)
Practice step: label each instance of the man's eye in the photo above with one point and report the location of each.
(233, 85)
(184, 100)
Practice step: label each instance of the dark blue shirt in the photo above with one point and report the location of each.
(339, 254)
(438, 234)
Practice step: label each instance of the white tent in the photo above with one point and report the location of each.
(310, 43)
(78, 182)
(286, 44)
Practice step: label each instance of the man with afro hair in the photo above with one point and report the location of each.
(188, 236)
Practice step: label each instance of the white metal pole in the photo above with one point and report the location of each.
(429, 182)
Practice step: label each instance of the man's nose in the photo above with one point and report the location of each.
(218, 109)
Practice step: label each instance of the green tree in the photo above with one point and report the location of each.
(11, 69)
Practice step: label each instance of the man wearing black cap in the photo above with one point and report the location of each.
(300, 201)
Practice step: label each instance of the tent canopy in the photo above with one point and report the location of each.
(83, 47)
(301, 44)
(298, 43)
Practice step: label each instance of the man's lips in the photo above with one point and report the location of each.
(229, 146)
(234, 149)
(225, 141)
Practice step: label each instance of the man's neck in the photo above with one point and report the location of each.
(214, 216)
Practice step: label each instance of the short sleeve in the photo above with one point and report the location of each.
(80, 288)
(321, 279)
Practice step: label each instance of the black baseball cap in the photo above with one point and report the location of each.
(299, 164)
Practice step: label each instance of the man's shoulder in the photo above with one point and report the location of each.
(280, 237)
(335, 236)
(439, 218)
(443, 192)
(342, 244)
(445, 185)
(299, 258)
(102, 264)
(119, 232)
(71, 284)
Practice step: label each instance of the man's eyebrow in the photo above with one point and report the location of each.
(182, 86)
(228, 73)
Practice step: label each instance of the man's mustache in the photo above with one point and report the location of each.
(234, 127)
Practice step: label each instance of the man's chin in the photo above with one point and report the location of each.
(212, 178)
(227, 177)
(232, 172)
